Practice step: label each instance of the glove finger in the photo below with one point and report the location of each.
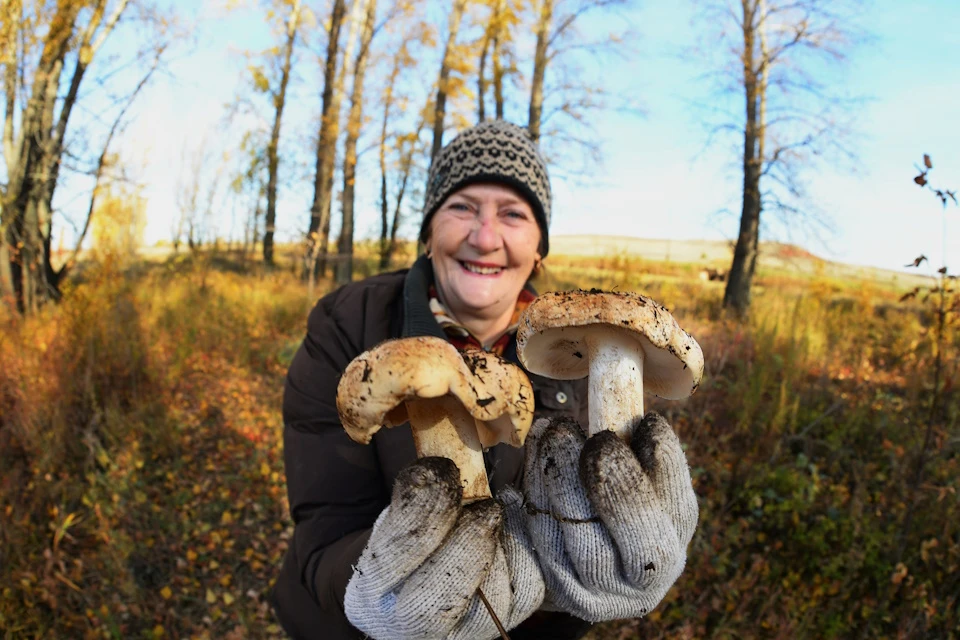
(437, 595)
(545, 532)
(526, 581)
(627, 503)
(423, 509)
(536, 498)
(587, 543)
(660, 453)
(477, 622)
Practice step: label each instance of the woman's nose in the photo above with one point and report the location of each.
(486, 233)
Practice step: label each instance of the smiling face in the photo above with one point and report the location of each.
(483, 241)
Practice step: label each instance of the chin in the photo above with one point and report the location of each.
(479, 299)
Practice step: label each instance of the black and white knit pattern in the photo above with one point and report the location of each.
(492, 151)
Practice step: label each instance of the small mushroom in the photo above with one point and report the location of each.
(456, 405)
(622, 341)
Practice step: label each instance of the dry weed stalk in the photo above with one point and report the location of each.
(945, 306)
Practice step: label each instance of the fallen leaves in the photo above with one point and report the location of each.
(181, 523)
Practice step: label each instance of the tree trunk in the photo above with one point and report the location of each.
(497, 55)
(482, 78)
(384, 194)
(54, 152)
(28, 176)
(540, 60)
(344, 267)
(384, 212)
(327, 139)
(7, 293)
(273, 160)
(736, 296)
(406, 164)
(386, 243)
(440, 106)
(356, 12)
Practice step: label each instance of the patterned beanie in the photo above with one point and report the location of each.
(492, 151)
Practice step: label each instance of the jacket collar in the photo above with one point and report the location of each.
(418, 320)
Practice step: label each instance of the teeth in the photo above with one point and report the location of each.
(484, 271)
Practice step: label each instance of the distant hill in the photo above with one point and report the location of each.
(719, 254)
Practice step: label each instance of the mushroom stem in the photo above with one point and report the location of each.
(616, 382)
(442, 427)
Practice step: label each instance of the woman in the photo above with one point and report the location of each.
(363, 560)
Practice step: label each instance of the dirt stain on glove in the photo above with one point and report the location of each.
(643, 443)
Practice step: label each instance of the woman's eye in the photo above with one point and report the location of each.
(517, 215)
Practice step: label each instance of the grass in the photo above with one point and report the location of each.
(141, 476)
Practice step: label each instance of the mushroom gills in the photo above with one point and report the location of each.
(440, 426)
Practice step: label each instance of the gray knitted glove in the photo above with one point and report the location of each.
(427, 556)
(610, 525)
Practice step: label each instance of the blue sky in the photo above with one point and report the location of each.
(658, 179)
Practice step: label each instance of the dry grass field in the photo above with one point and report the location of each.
(141, 478)
(774, 256)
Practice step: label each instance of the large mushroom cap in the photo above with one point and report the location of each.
(375, 385)
(551, 339)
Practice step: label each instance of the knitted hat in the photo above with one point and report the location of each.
(492, 151)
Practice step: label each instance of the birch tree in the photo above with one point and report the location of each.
(540, 60)
(566, 86)
(344, 266)
(249, 186)
(399, 148)
(505, 18)
(279, 96)
(790, 117)
(443, 77)
(323, 192)
(496, 41)
(326, 139)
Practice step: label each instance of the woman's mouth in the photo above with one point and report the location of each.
(479, 269)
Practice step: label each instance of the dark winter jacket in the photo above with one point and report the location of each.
(337, 487)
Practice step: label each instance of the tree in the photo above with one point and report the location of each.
(344, 265)
(279, 100)
(40, 41)
(197, 190)
(319, 237)
(248, 185)
(496, 38)
(540, 60)
(504, 17)
(326, 141)
(443, 78)
(563, 91)
(789, 117)
(399, 148)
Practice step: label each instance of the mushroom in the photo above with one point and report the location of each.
(456, 405)
(622, 341)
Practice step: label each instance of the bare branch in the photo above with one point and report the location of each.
(108, 27)
(101, 163)
(84, 58)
